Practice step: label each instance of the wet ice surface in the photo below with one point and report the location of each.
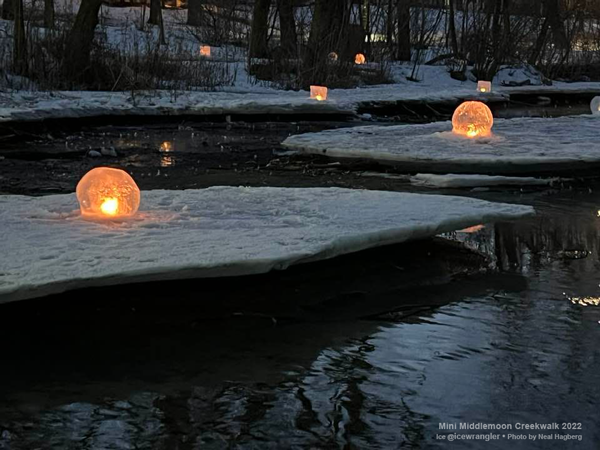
(504, 348)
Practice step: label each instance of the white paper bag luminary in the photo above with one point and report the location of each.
(318, 93)
(107, 193)
(473, 119)
(484, 86)
(595, 105)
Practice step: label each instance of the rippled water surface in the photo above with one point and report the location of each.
(520, 345)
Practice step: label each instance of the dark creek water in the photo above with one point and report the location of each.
(343, 355)
(517, 345)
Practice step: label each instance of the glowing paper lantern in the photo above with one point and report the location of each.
(318, 93)
(205, 50)
(473, 119)
(595, 105)
(360, 59)
(484, 86)
(333, 56)
(107, 193)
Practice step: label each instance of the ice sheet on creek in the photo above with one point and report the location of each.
(220, 231)
(515, 143)
(466, 180)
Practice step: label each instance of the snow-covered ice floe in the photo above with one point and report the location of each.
(24, 107)
(48, 248)
(517, 145)
(468, 181)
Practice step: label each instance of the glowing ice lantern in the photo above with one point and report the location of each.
(484, 86)
(333, 57)
(595, 105)
(473, 119)
(318, 93)
(107, 193)
(360, 59)
(205, 51)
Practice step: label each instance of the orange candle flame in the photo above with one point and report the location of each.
(110, 206)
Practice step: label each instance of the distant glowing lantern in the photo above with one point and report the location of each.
(333, 57)
(484, 86)
(205, 50)
(473, 119)
(318, 93)
(360, 59)
(595, 105)
(107, 193)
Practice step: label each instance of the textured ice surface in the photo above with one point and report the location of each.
(458, 181)
(515, 143)
(47, 247)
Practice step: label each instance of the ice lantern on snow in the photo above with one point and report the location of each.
(318, 92)
(107, 193)
(484, 86)
(473, 119)
(595, 105)
(360, 59)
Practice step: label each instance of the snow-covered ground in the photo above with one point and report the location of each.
(122, 29)
(527, 144)
(47, 247)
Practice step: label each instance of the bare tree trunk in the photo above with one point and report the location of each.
(49, 13)
(77, 54)
(539, 43)
(20, 49)
(557, 25)
(155, 12)
(325, 28)
(287, 23)
(390, 26)
(161, 27)
(365, 19)
(404, 47)
(260, 29)
(452, 28)
(8, 9)
(194, 12)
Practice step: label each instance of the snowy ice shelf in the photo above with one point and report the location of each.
(47, 247)
(517, 146)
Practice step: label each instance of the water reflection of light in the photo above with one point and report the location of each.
(473, 229)
(586, 301)
(165, 160)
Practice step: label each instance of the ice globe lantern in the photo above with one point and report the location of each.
(107, 193)
(595, 105)
(360, 59)
(473, 119)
